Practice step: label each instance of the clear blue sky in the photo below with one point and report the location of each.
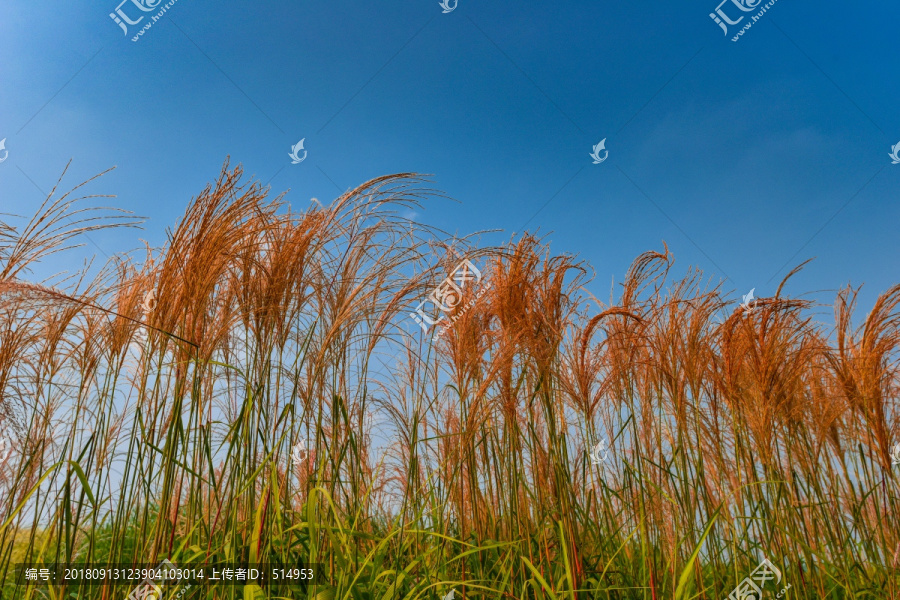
(742, 156)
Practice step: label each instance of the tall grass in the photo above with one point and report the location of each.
(178, 384)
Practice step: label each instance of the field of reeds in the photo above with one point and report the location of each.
(155, 409)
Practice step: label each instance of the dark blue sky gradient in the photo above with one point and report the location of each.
(746, 158)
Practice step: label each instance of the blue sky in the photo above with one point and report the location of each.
(746, 158)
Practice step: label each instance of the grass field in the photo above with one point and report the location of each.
(154, 410)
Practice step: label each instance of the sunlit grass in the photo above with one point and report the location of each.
(183, 379)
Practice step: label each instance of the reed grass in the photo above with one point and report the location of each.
(153, 408)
